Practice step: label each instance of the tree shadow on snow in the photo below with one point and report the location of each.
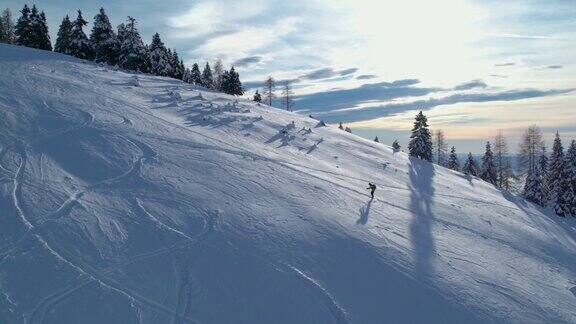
(468, 178)
(284, 137)
(364, 213)
(559, 228)
(421, 175)
(315, 146)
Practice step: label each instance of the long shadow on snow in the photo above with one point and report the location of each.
(364, 213)
(421, 174)
(554, 226)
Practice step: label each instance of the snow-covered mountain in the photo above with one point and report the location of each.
(141, 199)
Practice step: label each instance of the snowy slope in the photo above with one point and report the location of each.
(161, 203)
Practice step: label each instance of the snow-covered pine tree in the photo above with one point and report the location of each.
(183, 68)
(542, 167)
(159, 60)
(170, 58)
(195, 76)
(555, 168)
(3, 31)
(44, 35)
(348, 129)
(453, 162)
(207, 80)
(571, 172)
(564, 193)
(34, 28)
(533, 189)
(80, 46)
(133, 53)
(257, 97)
(231, 83)
(38, 30)
(225, 82)
(470, 166)
(8, 34)
(186, 76)
(22, 29)
(104, 40)
(121, 33)
(488, 172)
(64, 34)
(420, 145)
(177, 66)
(396, 146)
(3, 37)
(376, 139)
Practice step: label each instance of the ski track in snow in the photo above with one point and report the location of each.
(52, 300)
(339, 314)
(59, 296)
(147, 153)
(298, 168)
(16, 192)
(160, 114)
(42, 166)
(3, 152)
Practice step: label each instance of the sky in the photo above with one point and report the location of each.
(473, 66)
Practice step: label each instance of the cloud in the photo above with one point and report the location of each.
(248, 61)
(373, 112)
(370, 92)
(475, 84)
(366, 76)
(326, 73)
(521, 36)
(207, 16)
(348, 71)
(248, 39)
(393, 84)
(319, 74)
(554, 67)
(505, 64)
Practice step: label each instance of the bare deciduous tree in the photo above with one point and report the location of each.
(217, 73)
(287, 94)
(7, 34)
(502, 161)
(440, 148)
(529, 149)
(269, 89)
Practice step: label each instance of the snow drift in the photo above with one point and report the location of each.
(139, 199)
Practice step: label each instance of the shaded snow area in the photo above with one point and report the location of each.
(141, 199)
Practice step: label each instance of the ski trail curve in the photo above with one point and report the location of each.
(50, 301)
(16, 192)
(339, 314)
(66, 207)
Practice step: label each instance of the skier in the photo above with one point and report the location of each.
(372, 188)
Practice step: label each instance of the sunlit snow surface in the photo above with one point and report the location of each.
(141, 199)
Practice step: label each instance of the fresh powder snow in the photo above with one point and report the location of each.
(139, 199)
